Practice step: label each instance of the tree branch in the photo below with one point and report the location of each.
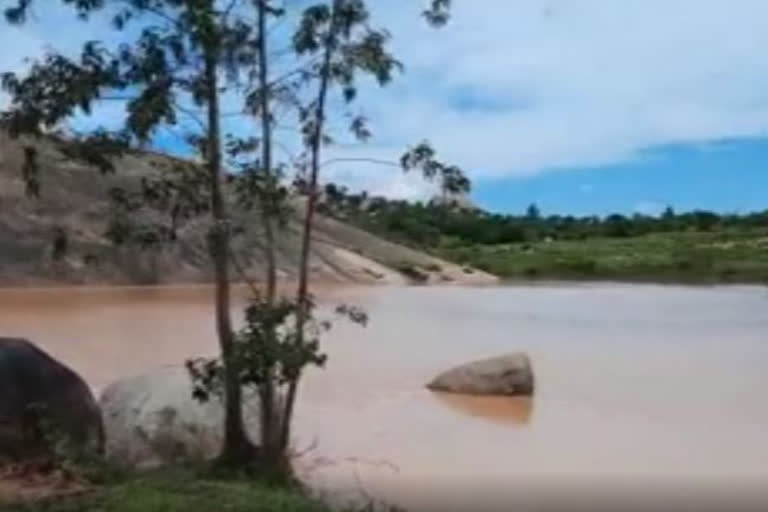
(190, 113)
(228, 10)
(117, 98)
(376, 161)
(289, 74)
(291, 155)
(243, 275)
(153, 10)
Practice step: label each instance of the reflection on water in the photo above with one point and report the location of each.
(634, 383)
(510, 410)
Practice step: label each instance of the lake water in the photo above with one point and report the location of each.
(638, 387)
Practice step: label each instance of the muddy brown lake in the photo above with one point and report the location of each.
(636, 384)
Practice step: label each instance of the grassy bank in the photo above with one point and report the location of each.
(177, 491)
(689, 257)
(690, 247)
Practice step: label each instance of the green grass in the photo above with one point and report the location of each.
(722, 256)
(180, 491)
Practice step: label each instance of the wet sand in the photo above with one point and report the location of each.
(637, 385)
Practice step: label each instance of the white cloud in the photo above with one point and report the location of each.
(588, 81)
(556, 82)
(381, 175)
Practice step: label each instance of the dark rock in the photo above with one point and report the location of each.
(43, 402)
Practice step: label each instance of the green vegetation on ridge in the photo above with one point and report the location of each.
(673, 257)
(697, 246)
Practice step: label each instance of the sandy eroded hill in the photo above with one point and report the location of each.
(74, 197)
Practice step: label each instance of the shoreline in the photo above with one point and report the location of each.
(286, 288)
(639, 280)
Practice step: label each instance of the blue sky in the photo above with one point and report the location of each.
(728, 177)
(582, 106)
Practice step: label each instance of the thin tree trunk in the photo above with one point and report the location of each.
(236, 441)
(266, 155)
(306, 241)
(444, 207)
(270, 417)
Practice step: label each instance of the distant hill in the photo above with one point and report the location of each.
(74, 199)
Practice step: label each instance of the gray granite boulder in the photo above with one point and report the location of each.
(508, 375)
(152, 420)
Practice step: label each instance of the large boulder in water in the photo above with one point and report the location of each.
(509, 375)
(43, 402)
(152, 420)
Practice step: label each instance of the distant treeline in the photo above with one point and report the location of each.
(439, 222)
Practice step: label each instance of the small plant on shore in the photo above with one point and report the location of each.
(412, 272)
(268, 359)
(49, 451)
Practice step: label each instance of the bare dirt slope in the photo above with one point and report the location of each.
(74, 197)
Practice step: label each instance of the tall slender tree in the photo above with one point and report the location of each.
(183, 62)
(341, 34)
(184, 54)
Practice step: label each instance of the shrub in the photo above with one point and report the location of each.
(412, 272)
